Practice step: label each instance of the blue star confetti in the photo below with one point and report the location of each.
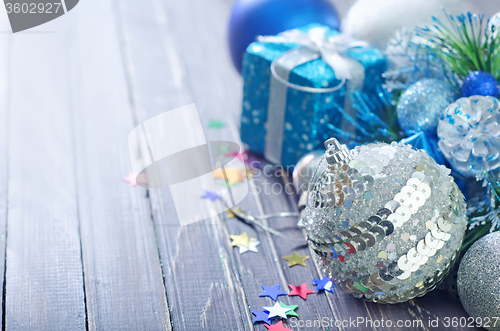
(272, 292)
(211, 195)
(261, 316)
(323, 284)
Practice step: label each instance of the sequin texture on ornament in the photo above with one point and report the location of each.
(406, 185)
(469, 134)
(422, 104)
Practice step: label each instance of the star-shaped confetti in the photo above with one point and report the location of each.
(261, 316)
(211, 195)
(216, 124)
(252, 247)
(301, 290)
(233, 175)
(241, 239)
(323, 284)
(290, 312)
(243, 156)
(295, 259)
(277, 327)
(135, 179)
(273, 292)
(233, 215)
(276, 311)
(223, 149)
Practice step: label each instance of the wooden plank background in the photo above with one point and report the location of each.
(86, 251)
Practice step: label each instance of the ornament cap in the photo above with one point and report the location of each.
(336, 152)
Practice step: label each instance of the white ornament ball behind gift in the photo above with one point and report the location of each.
(376, 21)
(386, 222)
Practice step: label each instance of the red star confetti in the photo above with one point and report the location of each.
(243, 156)
(277, 327)
(135, 179)
(302, 290)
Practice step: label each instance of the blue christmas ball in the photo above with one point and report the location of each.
(480, 83)
(253, 18)
(421, 105)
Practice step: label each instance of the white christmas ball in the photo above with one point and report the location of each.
(376, 21)
(386, 222)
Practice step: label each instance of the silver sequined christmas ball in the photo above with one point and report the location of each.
(421, 105)
(478, 280)
(385, 221)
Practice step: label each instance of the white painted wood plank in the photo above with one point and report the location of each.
(44, 281)
(123, 278)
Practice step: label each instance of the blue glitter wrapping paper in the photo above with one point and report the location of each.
(306, 114)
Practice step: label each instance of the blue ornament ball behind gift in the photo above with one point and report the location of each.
(253, 18)
(480, 83)
(469, 134)
(422, 104)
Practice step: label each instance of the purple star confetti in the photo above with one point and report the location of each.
(211, 195)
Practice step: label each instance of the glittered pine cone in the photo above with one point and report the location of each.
(469, 134)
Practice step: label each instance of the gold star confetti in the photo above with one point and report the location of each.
(233, 175)
(241, 239)
(233, 215)
(250, 172)
(295, 259)
(440, 258)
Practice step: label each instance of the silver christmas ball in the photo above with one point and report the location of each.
(478, 281)
(385, 221)
(304, 170)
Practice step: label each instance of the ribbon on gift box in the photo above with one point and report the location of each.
(313, 44)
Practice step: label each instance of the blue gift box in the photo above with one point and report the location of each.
(309, 118)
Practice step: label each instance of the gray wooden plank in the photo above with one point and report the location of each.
(44, 281)
(337, 306)
(4, 103)
(203, 292)
(208, 68)
(123, 278)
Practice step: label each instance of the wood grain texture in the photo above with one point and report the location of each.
(4, 172)
(203, 292)
(44, 282)
(123, 279)
(87, 251)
